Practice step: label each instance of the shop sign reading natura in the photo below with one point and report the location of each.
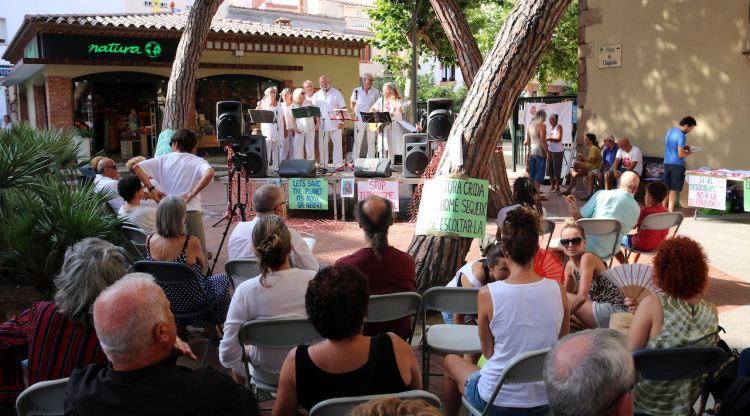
(108, 48)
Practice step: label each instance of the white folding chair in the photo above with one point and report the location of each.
(656, 222)
(384, 308)
(548, 228)
(603, 229)
(527, 367)
(273, 333)
(342, 405)
(448, 338)
(241, 269)
(43, 398)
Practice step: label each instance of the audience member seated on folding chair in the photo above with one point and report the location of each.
(172, 243)
(279, 292)
(393, 406)
(584, 165)
(57, 336)
(590, 373)
(646, 240)
(525, 194)
(677, 317)
(138, 334)
(131, 190)
(346, 363)
(523, 313)
(617, 204)
(591, 296)
(478, 273)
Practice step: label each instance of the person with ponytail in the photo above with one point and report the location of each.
(278, 292)
(388, 269)
(522, 313)
(526, 194)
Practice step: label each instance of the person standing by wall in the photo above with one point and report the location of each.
(675, 151)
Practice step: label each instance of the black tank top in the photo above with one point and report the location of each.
(379, 375)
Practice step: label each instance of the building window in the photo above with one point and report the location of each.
(3, 31)
(365, 54)
(449, 73)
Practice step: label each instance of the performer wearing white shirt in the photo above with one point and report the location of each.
(274, 132)
(392, 103)
(303, 129)
(362, 99)
(309, 89)
(329, 99)
(287, 144)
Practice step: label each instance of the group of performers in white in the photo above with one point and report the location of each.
(294, 138)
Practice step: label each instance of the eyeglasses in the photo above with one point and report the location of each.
(280, 203)
(571, 241)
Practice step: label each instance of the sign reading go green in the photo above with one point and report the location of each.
(308, 194)
(453, 207)
(152, 49)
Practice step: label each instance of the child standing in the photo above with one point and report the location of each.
(647, 240)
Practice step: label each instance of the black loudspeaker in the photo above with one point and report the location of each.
(416, 154)
(297, 168)
(439, 118)
(372, 168)
(254, 160)
(229, 122)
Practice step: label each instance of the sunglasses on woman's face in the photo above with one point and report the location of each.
(571, 241)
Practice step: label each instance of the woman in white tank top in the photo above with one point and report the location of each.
(523, 313)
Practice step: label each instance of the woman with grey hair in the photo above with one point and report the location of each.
(58, 336)
(172, 243)
(274, 132)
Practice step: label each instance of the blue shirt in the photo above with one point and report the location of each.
(674, 140)
(608, 156)
(614, 204)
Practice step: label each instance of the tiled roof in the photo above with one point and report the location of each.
(176, 21)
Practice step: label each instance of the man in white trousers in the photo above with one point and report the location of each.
(362, 99)
(329, 99)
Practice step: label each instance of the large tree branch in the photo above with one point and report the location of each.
(459, 35)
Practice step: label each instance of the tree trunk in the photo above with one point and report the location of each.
(181, 87)
(469, 59)
(489, 103)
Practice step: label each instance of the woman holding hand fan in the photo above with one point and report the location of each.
(592, 297)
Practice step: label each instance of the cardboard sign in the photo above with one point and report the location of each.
(707, 192)
(308, 194)
(388, 189)
(453, 207)
(747, 195)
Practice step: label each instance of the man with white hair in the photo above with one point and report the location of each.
(329, 99)
(362, 99)
(137, 332)
(106, 180)
(590, 373)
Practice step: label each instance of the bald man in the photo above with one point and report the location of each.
(106, 180)
(137, 332)
(628, 158)
(595, 365)
(618, 204)
(388, 269)
(329, 99)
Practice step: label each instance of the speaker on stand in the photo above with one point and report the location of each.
(417, 154)
(439, 118)
(254, 149)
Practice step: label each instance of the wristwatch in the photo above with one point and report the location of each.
(151, 188)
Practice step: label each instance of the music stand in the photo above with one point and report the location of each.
(262, 116)
(341, 115)
(378, 117)
(305, 112)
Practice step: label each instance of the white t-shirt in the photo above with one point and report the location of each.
(178, 174)
(143, 216)
(327, 102)
(555, 147)
(505, 210)
(104, 183)
(240, 246)
(365, 100)
(284, 298)
(274, 131)
(635, 155)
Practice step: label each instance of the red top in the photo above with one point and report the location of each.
(54, 345)
(649, 240)
(396, 272)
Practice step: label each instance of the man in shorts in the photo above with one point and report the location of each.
(675, 151)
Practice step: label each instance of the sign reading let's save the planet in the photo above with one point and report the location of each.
(453, 207)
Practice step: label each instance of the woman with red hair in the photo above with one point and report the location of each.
(677, 317)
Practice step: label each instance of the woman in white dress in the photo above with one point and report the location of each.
(392, 103)
(287, 146)
(274, 132)
(303, 141)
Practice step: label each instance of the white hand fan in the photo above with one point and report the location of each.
(633, 280)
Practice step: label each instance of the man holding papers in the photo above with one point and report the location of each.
(675, 151)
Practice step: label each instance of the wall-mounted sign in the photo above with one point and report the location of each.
(610, 56)
(108, 48)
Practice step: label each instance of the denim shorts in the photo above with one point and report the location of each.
(471, 392)
(674, 176)
(537, 167)
(627, 240)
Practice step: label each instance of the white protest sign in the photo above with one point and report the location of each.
(387, 189)
(707, 192)
(453, 207)
(564, 111)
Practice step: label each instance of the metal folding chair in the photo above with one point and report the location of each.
(43, 398)
(603, 228)
(656, 222)
(343, 405)
(444, 338)
(384, 308)
(523, 368)
(548, 228)
(241, 270)
(673, 364)
(136, 236)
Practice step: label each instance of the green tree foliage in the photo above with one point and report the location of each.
(43, 208)
(392, 22)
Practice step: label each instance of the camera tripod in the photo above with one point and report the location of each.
(241, 204)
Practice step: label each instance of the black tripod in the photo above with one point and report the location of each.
(241, 204)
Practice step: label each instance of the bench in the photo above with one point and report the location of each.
(653, 169)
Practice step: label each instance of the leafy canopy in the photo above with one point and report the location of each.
(391, 23)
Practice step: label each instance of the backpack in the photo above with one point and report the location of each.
(718, 384)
